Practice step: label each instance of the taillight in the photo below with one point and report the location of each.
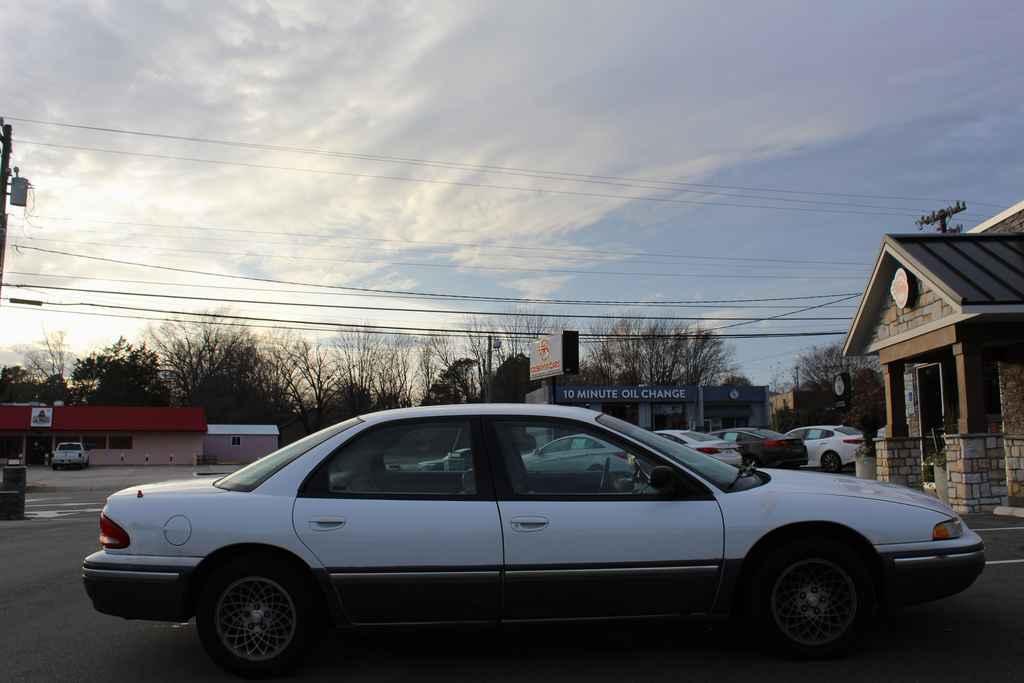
(112, 536)
(853, 440)
(773, 443)
(710, 450)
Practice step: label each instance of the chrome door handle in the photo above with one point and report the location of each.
(529, 523)
(326, 523)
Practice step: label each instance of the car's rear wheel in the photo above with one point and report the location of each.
(831, 462)
(254, 616)
(813, 597)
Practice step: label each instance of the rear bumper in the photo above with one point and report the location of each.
(927, 574)
(138, 587)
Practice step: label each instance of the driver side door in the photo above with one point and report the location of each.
(582, 542)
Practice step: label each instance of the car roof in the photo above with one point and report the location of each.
(472, 409)
(819, 427)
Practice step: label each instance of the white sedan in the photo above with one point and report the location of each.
(718, 449)
(830, 447)
(341, 528)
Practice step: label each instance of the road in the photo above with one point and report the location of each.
(51, 633)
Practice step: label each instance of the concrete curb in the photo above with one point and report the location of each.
(1006, 511)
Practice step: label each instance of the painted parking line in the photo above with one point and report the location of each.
(1004, 561)
(54, 514)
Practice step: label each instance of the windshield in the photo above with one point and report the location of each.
(715, 471)
(251, 476)
(850, 431)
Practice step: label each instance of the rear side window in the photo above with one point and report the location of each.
(849, 431)
(251, 476)
(409, 458)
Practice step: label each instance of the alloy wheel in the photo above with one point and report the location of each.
(814, 602)
(255, 618)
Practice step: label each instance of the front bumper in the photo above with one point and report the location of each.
(932, 571)
(136, 587)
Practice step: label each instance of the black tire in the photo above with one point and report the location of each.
(53, 467)
(288, 612)
(831, 462)
(812, 597)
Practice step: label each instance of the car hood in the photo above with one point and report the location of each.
(193, 486)
(787, 481)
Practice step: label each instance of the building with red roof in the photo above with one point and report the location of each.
(114, 435)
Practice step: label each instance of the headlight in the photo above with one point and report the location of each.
(944, 531)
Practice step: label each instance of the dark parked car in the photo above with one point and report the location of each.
(765, 447)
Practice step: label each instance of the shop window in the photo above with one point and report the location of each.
(669, 415)
(630, 412)
(122, 442)
(236, 441)
(95, 443)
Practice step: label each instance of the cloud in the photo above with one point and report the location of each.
(702, 91)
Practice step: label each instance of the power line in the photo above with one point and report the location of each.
(307, 304)
(436, 295)
(167, 283)
(507, 333)
(455, 183)
(505, 170)
(413, 264)
(561, 251)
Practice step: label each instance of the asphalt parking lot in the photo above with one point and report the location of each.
(51, 633)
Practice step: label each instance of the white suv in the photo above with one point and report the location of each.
(68, 454)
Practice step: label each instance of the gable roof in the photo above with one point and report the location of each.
(242, 430)
(998, 219)
(975, 273)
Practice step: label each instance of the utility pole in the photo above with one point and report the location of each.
(941, 216)
(6, 134)
(490, 369)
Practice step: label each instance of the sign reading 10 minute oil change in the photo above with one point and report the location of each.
(629, 394)
(555, 354)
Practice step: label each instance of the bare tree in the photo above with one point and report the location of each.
(48, 358)
(818, 366)
(309, 373)
(659, 352)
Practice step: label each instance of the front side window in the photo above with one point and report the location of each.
(601, 467)
(421, 458)
(731, 437)
(715, 471)
(813, 435)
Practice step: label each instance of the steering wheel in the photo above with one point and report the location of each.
(604, 473)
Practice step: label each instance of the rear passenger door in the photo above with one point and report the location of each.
(404, 518)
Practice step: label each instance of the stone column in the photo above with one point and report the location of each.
(976, 468)
(1013, 447)
(899, 461)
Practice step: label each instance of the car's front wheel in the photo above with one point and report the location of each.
(253, 616)
(813, 597)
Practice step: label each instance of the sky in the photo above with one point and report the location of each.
(575, 150)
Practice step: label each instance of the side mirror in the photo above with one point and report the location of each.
(662, 478)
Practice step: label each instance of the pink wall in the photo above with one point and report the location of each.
(253, 447)
(153, 448)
